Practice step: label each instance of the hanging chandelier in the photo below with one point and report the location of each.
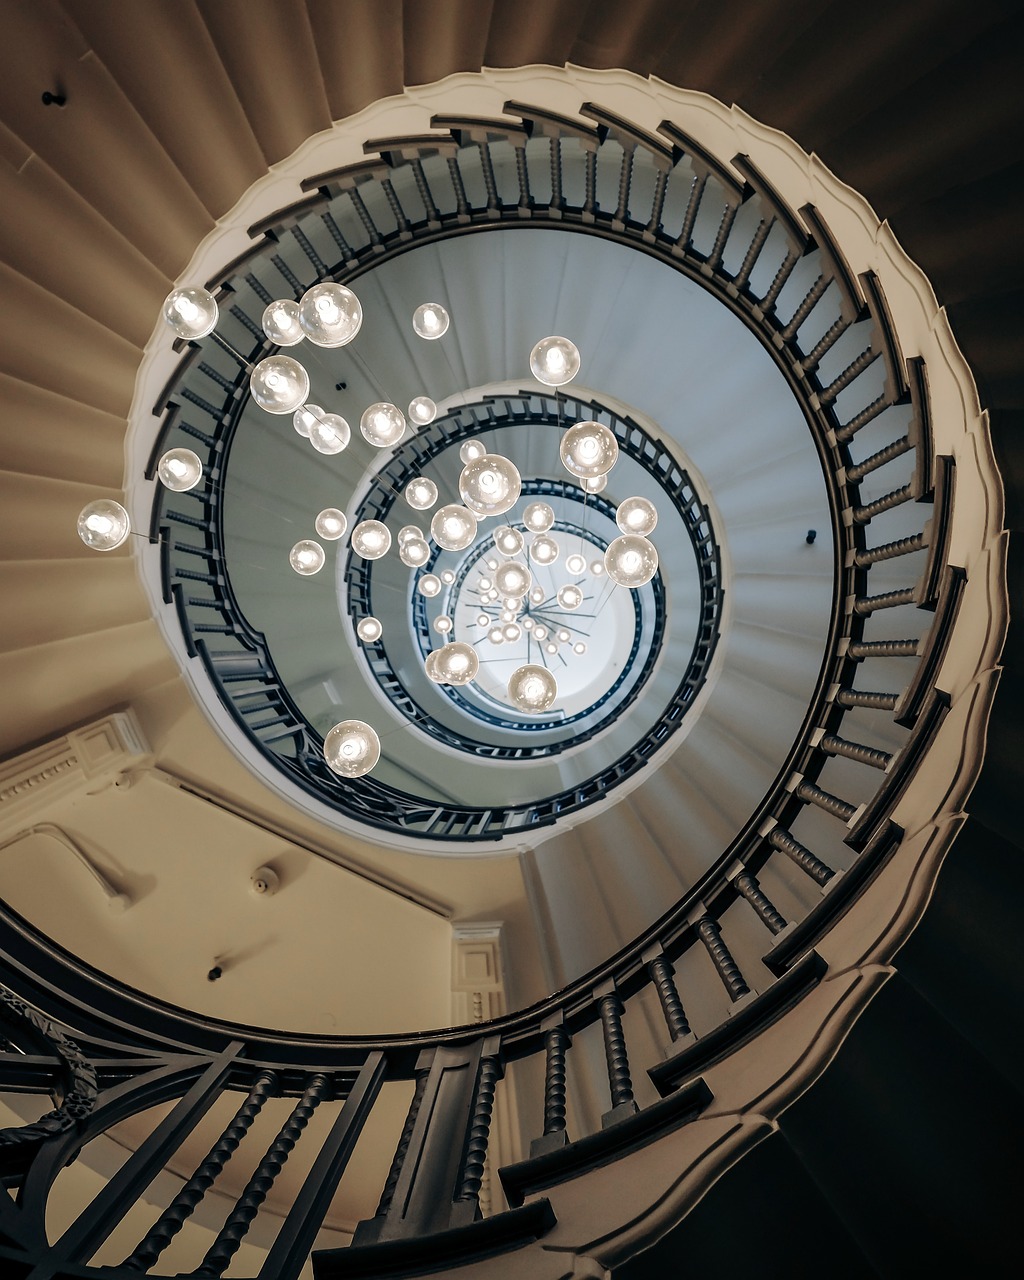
(510, 605)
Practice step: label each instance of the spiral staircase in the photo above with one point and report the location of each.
(720, 899)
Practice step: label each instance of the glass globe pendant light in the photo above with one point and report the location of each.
(509, 541)
(539, 517)
(588, 449)
(422, 411)
(555, 361)
(279, 384)
(575, 563)
(512, 578)
(453, 527)
(330, 314)
(443, 624)
(420, 494)
(532, 688)
(414, 552)
(490, 485)
(594, 484)
(369, 629)
(637, 515)
(470, 450)
(331, 523)
(430, 320)
(307, 557)
(281, 323)
(179, 470)
(371, 539)
(544, 550)
(330, 434)
(570, 596)
(351, 749)
(429, 585)
(191, 313)
(382, 424)
(305, 418)
(456, 663)
(103, 525)
(631, 560)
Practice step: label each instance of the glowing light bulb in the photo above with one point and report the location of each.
(443, 624)
(540, 631)
(544, 550)
(579, 648)
(330, 315)
(551, 647)
(637, 515)
(555, 361)
(453, 527)
(429, 585)
(369, 629)
(382, 424)
(509, 541)
(538, 517)
(457, 663)
(191, 313)
(447, 577)
(594, 484)
(331, 523)
(430, 320)
(422, 410)
(179, 470)
(279, 384)
(570, 597)
(330, 434)
(307, 557)
(631, 560)
(511, 632)
(371, 539)
(563, 635)
(421, 493)
(414, 552)
(588, 449)
(306, 417)
(575, 563)
(496, 635)
(281, 323)
(512, 578)
(103, 525)
(351, 749)
(490, 485)
(408, 531)
(471, 450)
(597, 568)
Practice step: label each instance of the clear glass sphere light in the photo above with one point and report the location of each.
(369, 629)
(330, 314)
(179, 470)
(513, 578)
(637, 515)
(305, 418)
(490, 485)
(371, 539)
(509, 541)
(422, 411)
(307, 557)
(421, 493)
(570, 596)
(539, 517)
(281, 323)
(330, 433)
(544, 550)
(382, 424)
(331, 523)
(191, 313)
(470, 450)
(588, 449)
(555, 361)
(631, 560)
(456, 663)
(453, 527)
(103, 525)
(279, 384)
(351, 749)
(414, 552)
(430, 320)
(429, 585)
(532, 688)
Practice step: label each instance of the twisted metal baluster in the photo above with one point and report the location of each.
(750, 887)
(395, 1172)
(619, 1081)
(780, 838)
(184, 1203)
(258, 1187)
(728, 969)
(479, 1131)
(671, 1005)
(556, 1042)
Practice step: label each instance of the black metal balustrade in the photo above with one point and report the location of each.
(104, 1053)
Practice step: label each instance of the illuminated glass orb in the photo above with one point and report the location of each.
(507, 615)
(331, 523)
(597, 568)
(421, 493)
(496, 635)
(453, 527)
(191, 313)
(408, 531)
(103, 525)
(575, 563)
(429, 585)
(490, 485)
(537, 595)
(594, 484)
(306, 417)
(555, 361)
(540, 631)
(551, 648)
(515, 603)
(527, 624)
(570, 596)
(509, 541)
(414, 552)
(371, 539)
(422, 410)
(563, 635)
(307, 557)
(512, 578)
(330, 434)
(279, 384)
(579, 648)
(447, 577)
(631, 560)
(430, 320)
(330, 314)
(482, 620)
(511, 632)
(351, 749)
(281, 323)
(539, 517)
(532, 688)
(544, 550)
(443, 624)
(457, 662)
(430, 667)
(471, 450)
(485, 584)
(369, 629)
(179, 470)
(588, 449)
(382, 424)
(637, 515)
